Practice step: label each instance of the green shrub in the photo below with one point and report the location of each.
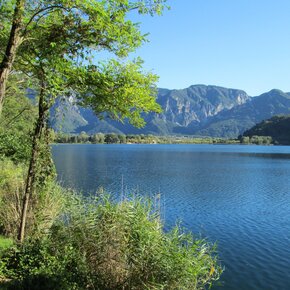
(100, 244)
(15, 145)
(45, 206)
(17, 122)
(11, 191)
(5, 243)
(36, 264)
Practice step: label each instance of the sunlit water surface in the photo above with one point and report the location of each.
(238, 196)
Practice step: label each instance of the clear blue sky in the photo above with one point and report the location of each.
(241, 44)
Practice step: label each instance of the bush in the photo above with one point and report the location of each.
(16, 124)
(36, 264)
(5, 243)
(11, 191)
(100, 244)
(47, 204)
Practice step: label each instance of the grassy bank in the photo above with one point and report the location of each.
(96, 243)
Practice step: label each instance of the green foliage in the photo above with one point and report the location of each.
(261, 140)
(35, 265)
(272, 131)
(16, 123)
(11, 190)
(83, 137)
(122, 90)
(5, 243)
(122, 138)
(112, 138)
(44, 170)
(47, 204)
(98, 138)
(60, 40)
(100, 244)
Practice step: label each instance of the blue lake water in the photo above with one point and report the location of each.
(237, 196)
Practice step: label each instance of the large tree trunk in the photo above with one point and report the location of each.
(30, 181)
(12, 45)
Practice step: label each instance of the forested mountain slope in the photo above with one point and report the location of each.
(278, 127)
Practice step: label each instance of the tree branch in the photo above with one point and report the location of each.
(15, 117)
(41, 11)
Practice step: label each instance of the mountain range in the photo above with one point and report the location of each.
(197, 110)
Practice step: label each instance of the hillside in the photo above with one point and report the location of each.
(278, 127)
(198, 110)
(234, 122)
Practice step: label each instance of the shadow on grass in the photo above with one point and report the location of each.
(43, 282)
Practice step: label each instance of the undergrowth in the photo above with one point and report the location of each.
(96, 243)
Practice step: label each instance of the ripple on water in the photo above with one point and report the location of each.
(236, 195)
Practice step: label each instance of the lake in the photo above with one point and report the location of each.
(237, 196)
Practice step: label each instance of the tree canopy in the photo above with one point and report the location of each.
(59, 41)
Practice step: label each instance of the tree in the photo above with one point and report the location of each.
(111, 138)
(13, 42)
(98, 138)
(122, 138)
(16, 122)
(64, 37)
(27, 15)
(83, 137)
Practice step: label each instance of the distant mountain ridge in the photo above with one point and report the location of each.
(197, 110)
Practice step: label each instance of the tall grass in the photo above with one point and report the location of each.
(96, 243)
(12, 179)
(100, 244)
(45, 206)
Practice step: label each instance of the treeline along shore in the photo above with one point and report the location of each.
(113, 138)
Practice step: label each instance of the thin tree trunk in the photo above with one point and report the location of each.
(30, 181)
(12, 45)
